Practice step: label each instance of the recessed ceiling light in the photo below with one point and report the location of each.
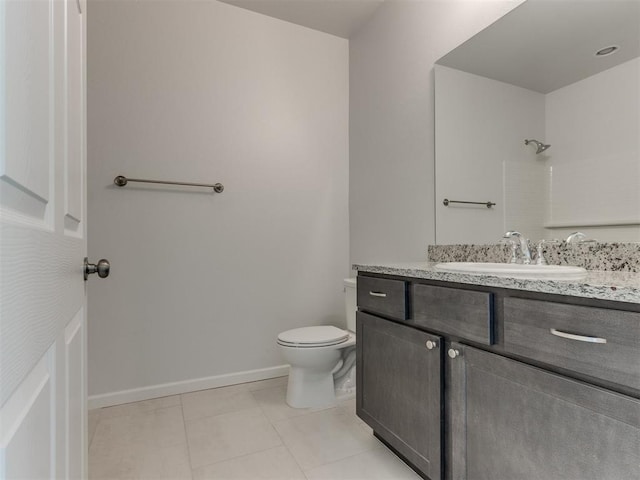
(607, 51)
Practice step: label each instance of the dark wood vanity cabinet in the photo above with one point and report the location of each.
(506, 398)
(510, 420)
(399, 389)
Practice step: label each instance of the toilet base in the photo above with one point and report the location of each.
(345, 388)
(308, 389)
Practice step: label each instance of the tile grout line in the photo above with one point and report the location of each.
(338, 408)
(333, 462)
(258, 407)
(288, 417)
(186, 436)
(105, 410)
(284, 444)
(203, 417)
(341, 408)
(226, 412)
(93, 434)
(245, 455)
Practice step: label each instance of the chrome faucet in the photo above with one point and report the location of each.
(576, 237)
(524, 255)
(540, 260)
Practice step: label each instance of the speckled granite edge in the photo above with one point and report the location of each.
(497, 253)
(603, 285)
(615, 257)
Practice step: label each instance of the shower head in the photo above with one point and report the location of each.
(541, 147)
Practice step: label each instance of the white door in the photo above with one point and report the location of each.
(42, 239)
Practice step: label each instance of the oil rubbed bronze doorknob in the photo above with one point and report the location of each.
(101, 268)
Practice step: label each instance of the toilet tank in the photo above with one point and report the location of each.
(350, 302)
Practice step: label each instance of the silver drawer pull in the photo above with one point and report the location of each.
(580, 338)
(378, 294)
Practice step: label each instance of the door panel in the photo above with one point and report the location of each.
(26, 421)
(75, 394)
(405, 412)
(42, 240)
(42, 288)
(29, 88)
(522, 422)
(74, 140)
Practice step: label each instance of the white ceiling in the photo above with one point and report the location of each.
(337, 17)
(544, 45)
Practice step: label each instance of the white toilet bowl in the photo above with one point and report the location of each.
(314, 354)
(321, 358)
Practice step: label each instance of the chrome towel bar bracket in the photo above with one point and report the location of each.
(121, 181)
(446, 203)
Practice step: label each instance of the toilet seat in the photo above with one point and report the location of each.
(319, 336)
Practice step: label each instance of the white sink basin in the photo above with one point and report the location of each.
(514, 270)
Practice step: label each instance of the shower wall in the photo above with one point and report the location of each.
(594, 127)
(589, 180)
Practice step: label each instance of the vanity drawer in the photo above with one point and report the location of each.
(598, 342)
(381, 295)
(467, 314)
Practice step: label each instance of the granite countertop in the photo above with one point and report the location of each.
(603, 285)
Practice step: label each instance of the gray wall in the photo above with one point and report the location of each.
(391, 186)
(201, 283)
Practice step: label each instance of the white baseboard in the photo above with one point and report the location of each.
(186, 386)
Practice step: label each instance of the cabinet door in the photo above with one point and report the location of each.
(399, 389)
(512, 421)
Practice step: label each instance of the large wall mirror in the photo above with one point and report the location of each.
(565, 73)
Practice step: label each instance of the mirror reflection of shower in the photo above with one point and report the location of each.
(541, 147)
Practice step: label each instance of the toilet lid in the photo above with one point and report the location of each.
(319, 336)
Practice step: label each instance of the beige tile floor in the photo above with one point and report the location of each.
(240, 432)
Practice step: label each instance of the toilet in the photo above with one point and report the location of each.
(322, 359)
